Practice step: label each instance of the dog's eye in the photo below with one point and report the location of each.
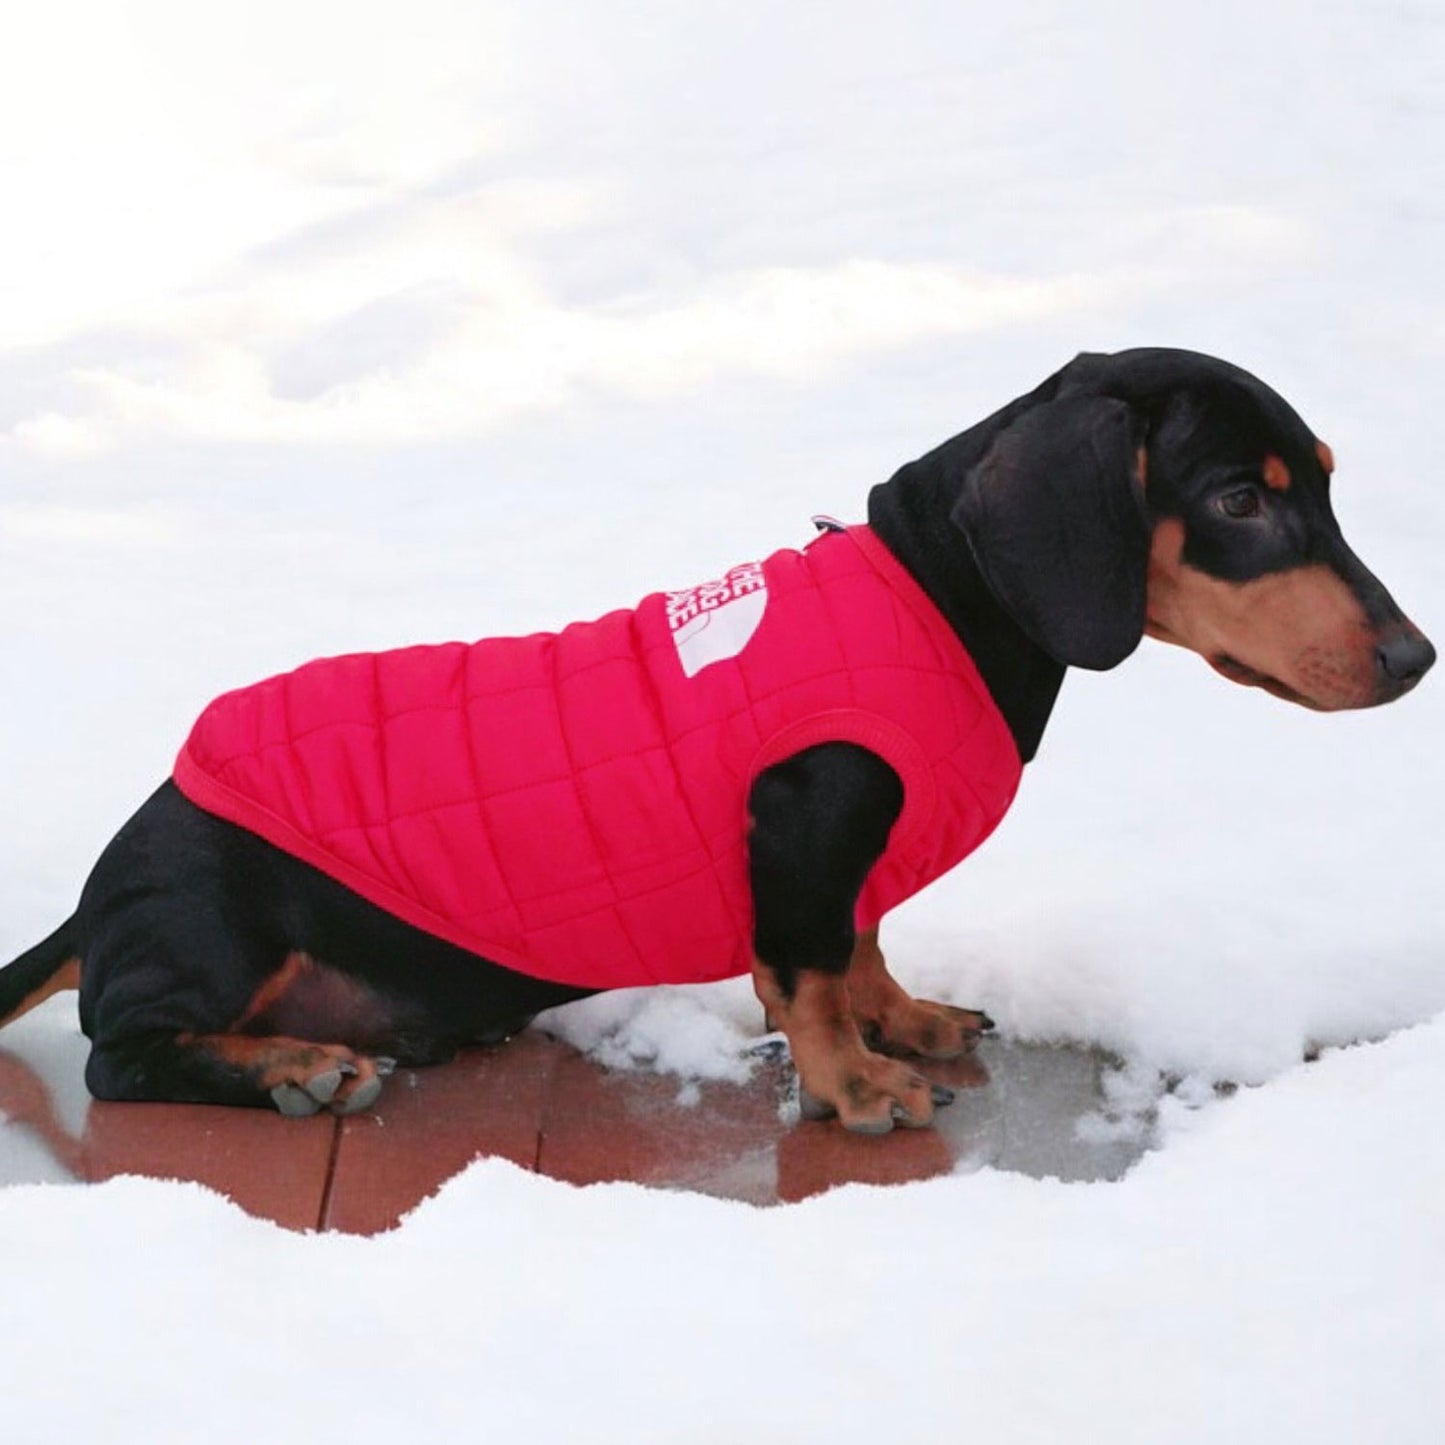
(1242, 502)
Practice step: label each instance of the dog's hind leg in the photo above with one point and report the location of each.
(292, 1075)
(185, 976)
(183, 1012)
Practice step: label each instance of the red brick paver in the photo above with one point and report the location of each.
(542, 1105)
(251, 1156)
(429, 1124)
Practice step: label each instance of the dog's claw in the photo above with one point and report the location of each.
(810, 1106)
(294, 1101)
(323, 1087)
(385, 1067)
(942, 1094)
(900, 1115)
(363, 1096)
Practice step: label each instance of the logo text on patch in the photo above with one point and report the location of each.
(714, 621)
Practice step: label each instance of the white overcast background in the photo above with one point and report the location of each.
(327, 327)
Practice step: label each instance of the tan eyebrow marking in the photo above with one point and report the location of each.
(1276, 474)
(1326, 456)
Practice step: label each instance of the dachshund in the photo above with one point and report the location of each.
(838, 725)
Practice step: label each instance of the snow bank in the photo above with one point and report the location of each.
(1262, 1279)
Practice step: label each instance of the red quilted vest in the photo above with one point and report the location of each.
(573, 805)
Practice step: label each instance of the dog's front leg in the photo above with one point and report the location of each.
(820, 820)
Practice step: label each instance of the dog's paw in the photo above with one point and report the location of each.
(870, 1094)
(299, 1101)
(929, 1030)
(310, 1078)
(812, 1107)
(360, 1093)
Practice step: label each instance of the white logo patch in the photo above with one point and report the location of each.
(714, 621)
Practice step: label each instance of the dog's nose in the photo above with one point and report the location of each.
(1406, 657)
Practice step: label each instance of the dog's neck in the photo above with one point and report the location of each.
(910, 515)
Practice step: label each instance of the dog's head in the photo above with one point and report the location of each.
(1165, 492)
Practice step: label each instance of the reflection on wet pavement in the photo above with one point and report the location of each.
(537, 1102)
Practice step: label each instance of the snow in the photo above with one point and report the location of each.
(320, 333)
(1258, 1280)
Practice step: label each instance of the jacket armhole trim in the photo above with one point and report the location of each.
(894, 744)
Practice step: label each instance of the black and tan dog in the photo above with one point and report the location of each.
(1153, 491)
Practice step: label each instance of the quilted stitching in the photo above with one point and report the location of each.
(570, 804)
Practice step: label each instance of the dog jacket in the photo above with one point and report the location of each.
(574, 805)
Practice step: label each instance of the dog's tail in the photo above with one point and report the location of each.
(47, 968)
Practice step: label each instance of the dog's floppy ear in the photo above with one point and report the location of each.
(1055, 515)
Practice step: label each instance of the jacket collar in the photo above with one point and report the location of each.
(910, 516)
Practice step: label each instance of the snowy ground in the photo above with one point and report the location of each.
(319, 333)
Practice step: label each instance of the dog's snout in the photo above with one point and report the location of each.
(1405, 658)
